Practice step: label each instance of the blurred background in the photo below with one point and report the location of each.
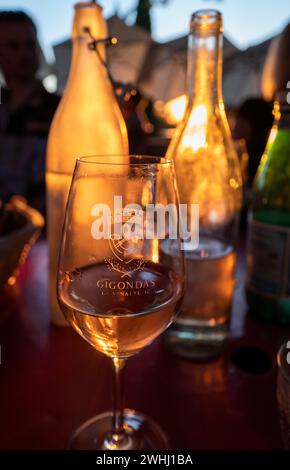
(250, 28)
(148, 66)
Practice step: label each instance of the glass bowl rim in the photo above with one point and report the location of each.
(145, 160)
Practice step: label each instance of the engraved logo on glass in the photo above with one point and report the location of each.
(126, 249)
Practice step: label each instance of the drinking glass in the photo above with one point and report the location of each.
(114, 287)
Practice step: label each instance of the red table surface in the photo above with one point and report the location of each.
(51, 380)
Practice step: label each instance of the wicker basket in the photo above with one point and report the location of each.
(15, 245)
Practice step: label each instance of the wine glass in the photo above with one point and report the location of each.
(115, 287)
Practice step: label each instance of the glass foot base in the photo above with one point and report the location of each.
(142, 433)
(196, 343)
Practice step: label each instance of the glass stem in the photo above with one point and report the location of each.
(118, 434)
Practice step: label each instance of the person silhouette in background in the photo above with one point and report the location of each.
(26, 111)
(254, 120)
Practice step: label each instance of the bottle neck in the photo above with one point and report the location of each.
(86, 65)
(86, 61)
(204, 79)
(89, 15)
(283, 122)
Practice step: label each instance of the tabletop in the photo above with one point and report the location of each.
(51, 380)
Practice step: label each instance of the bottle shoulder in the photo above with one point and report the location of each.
(274, 169)
(204, 137)
(88, 130)
(272, 185)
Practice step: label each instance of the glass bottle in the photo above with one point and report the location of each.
(88, 121)
(268, 254)
(208, 174)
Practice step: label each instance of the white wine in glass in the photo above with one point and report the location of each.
(114, 286)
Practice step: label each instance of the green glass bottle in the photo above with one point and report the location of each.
(268, 252)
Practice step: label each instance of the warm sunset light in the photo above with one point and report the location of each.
(195, 136)
(173, 110)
